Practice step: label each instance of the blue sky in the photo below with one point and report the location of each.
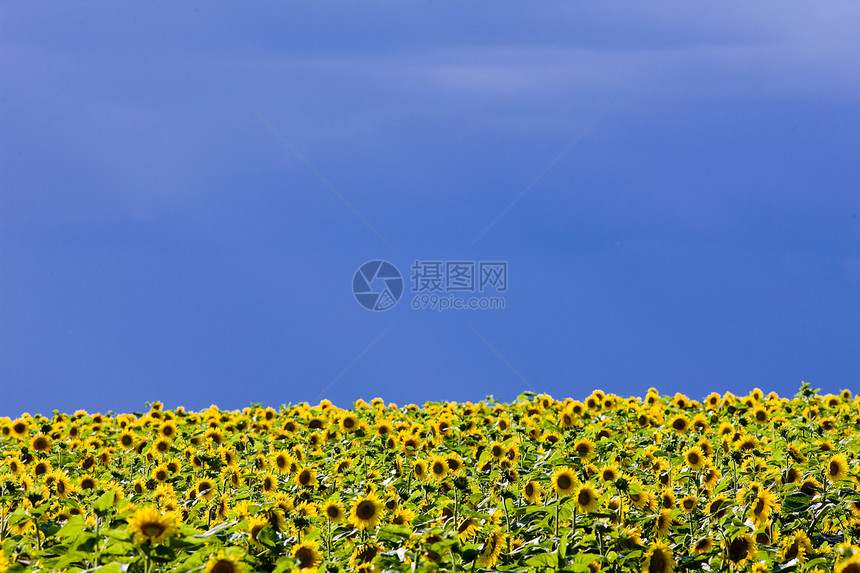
(678, 184)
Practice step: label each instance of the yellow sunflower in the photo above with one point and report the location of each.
(762, 506)
(564, 481)
(307, 555)
(149, 524)
(532, 492)
(583, 448)
(587, 498)
(492, 549)
(223, 563)
(663, 523)
(837, 468)
(366, 512)
(695, 458)
(850, 565)
(659, 559)
(739, 550)
(439, 467)
(333, 511)
(797, 546)
(307, 477)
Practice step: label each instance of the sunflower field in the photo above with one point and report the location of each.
(660, 484)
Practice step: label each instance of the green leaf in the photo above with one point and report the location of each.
(795, 502)
(543, 560)
(75, 525)
(562, 545)
(394, 533)
(104, 504)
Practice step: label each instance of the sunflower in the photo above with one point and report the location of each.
(837, 468)
(88, 482)
(20, 428)
(609, 473)
(403, 517)
(307, 477)
(467, 528)
(740, 550)
(710, 475)
(587, 498)
(798, 546)
(810, 486)
(746, 443)
(532, 492)
(349, 423)
(492, 549)
(307, 555)
(667, 498)
(760, 415)
(419, 468)
(223, 563)
(149, 524)
(363, 555)
(333, 511)
(703, 545)
(439, 467)
(40, 443)
(694, 458)
(850, 565)
(62, 484)
(205, 489)
(222, 507)
(455, 464)
(564, 481)
(583, 448)
(718, 507)
(366, 512)
(269, 482)
(640, 498)
(497, 450)
(15, 466)
(160, 473)
(256, 524)
(663, 523)
(658, 559)
(680, 424)
(689, 503)
(629, 537)
(762, 506)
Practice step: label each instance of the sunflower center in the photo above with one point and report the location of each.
(152, 529)
(658, 562)
(564, 482)
(365, 510)
(584, 498)
(305, 557)
(223, 566)
(738, 549)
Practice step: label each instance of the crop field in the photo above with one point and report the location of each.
(665, 483)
